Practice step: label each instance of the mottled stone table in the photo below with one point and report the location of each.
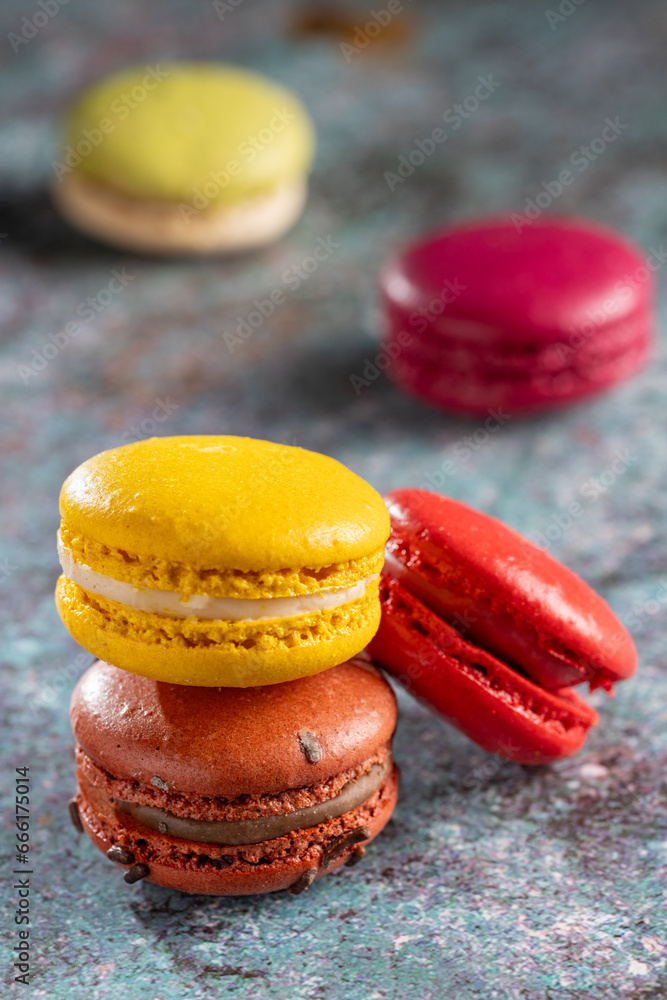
(493, 880)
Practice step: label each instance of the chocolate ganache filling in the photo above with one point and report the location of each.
(234, 833)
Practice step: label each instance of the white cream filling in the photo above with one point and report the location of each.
(233, 609)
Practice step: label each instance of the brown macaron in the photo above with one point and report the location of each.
(233, 791)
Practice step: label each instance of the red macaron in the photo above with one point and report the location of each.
(233, 791)
(505, 312)
(493, 632)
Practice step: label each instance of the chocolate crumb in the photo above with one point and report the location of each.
(224, 862)
(159, 783)
(120, 855)
(310, 746)
(304, 880)
(357, 854)
(73, 807)
(343, 843)
(136, 873)
(162, 827)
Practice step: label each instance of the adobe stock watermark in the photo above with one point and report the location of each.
(372, 368)
(119, 109)
(31, 26)
(590, 491)
(163, 410)
(366, 33)
(419, 320)
(454, 118)
(292, 278)
(464, 449)
(209, 532)
(86, 311)
(565, 9)
(580, 159)
(247, 150)
(51, 690)
(599, 317)
(222, 7)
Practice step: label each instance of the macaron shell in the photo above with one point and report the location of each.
(472, 553)
(243, 879)
(231, 742)
(477, 391)
(515, 284)
(196, 651)
(501, 711)
(515, 364)
(202, 133)
(159, 227)
(225, 502)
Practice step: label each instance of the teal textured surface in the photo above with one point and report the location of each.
(492, 880)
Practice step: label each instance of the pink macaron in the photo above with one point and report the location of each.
(504, 312)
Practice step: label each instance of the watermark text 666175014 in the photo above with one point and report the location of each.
(22, 873)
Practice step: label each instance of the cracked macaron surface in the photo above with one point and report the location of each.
(218, 560)
(493, 632)
(178, 784)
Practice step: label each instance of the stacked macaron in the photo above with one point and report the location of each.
(226, 742)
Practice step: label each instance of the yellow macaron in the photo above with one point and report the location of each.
(184, 158)
(220, 561)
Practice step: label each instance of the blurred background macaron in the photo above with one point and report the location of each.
(220, 560)
(522, 313)
(184, 158)
(229, 791)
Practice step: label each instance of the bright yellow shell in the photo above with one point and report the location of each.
(223, 504)
(217, 654)
(193, 133)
